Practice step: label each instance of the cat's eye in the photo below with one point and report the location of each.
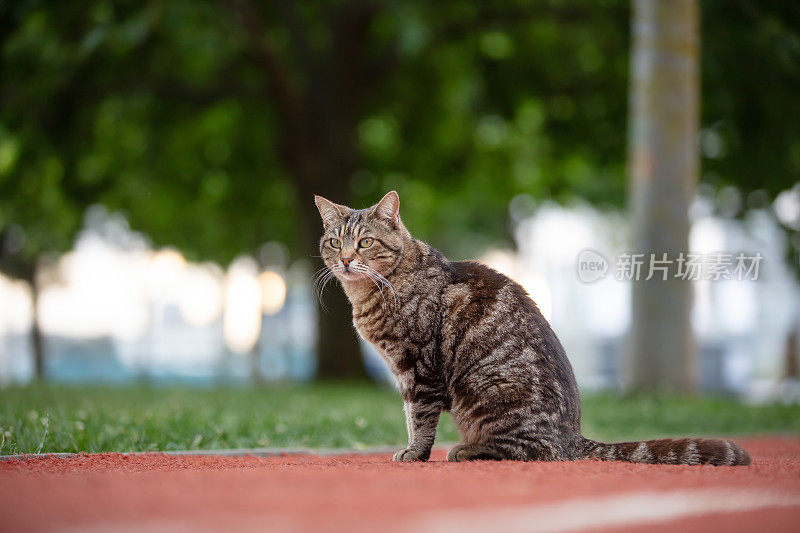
(336, 243)
(366, 242)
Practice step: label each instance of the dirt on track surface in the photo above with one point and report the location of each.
(160, 493)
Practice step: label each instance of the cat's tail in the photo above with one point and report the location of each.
(685, 451)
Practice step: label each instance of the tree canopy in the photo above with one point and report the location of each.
(164, 110)
(209, 124)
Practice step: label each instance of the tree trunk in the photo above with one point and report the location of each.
(791, 364)
(319, 138)
(37, 340)
(663, 170)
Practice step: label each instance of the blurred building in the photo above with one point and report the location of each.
(115, 310)
(742, 325)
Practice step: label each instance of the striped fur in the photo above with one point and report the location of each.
(462, 338)
(685, 451)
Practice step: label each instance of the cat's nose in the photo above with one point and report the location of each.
(346, 261)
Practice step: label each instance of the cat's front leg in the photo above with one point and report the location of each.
(422, 417)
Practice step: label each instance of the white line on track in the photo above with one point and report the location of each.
(620, 510)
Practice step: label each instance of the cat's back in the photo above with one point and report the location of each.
(476, 289)
(484, 281)
(501, 351)
(481, 306)
(488, 308)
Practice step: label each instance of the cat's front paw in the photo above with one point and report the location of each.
(410, 454)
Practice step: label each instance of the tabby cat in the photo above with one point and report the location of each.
(462, 338)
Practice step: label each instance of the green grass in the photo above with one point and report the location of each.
(140, 418)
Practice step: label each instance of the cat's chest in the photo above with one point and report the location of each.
(375, 328)
(381, 331)
(415, 318)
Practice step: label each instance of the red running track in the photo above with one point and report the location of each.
(159, 493)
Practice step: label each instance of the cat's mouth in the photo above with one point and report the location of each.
(351, 276)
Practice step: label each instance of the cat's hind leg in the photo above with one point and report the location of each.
(509, 448)
(475, 452)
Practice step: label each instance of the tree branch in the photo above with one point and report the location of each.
(491, 16)
(279, 83)
(299, 34)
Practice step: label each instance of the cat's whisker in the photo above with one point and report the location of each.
(322, 278)
(366, 271)
(319, 274)
(324, 283)
(318, 294)
(383, 281)
(378, 280)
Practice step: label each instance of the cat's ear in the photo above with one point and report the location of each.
(329, 211)
(388, 207)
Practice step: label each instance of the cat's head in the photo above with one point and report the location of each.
(357, 244)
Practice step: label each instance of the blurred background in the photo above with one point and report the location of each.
(158, 161)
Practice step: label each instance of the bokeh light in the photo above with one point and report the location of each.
(242, 315)
(273, 292)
